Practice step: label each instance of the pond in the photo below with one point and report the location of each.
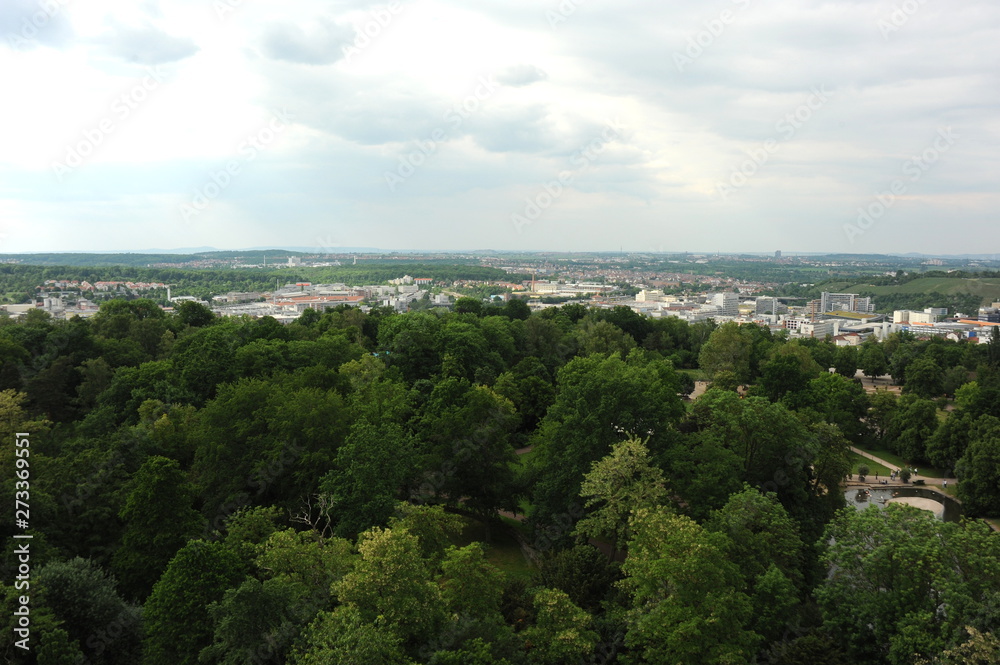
(943, 506)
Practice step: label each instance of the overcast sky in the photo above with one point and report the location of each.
(732, 125)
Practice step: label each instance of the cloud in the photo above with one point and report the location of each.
(25, 24)
(321, 44)
(521, 75)
(147, 45)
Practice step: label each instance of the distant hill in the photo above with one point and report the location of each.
(983, 287)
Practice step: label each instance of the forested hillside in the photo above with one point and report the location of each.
(488, 486)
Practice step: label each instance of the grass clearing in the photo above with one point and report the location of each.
(873, 467)
(926, 471)
(504, 552)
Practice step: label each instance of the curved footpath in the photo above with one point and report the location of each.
(930, 482)
(933, 484)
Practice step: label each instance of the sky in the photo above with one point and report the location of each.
(572, 125)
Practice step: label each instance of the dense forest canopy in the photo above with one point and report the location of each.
(490, 485)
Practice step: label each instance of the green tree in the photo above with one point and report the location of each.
(392, 582)
(528, 386)
(255, 623)
(468, 305)
(617, 485)
(836, 400)
(903, 585)
(601, 400)
(950, 440)
(979, 469)
(159, 520)
(367, 476)
(346, 636)
(873, 361)
(924, 378)
(85, 600)
(561, 632)
(176, 617)
(468, 457)
(727, 350)
(603, 338)
(760, 534)
(582, 571)
(194, 314)
(687, 606)
(845, 361)
(913, 424)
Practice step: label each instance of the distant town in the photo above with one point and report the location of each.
(683, 286)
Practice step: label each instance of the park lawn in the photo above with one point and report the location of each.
(695, 374)
(873, 467)
(927, 471)
(504, 552)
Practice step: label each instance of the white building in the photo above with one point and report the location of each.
(727, 302)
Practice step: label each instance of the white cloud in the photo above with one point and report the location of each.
(511, 99)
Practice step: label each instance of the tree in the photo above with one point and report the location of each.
(924, 378)
(782, 375)
(84, 598)
(727, 349)
(846, 361)
(601, 400)
(367, 476)
(617, 485)
(472, 591)
(467, 305)
(836, 400)
(913, 424)
(703, 472)
(561, 632)
(873, 361)
(760, 534)
(255, 623)
(765, 543)
(979, 469)
(345, 636)
(883, 405)
(468, 457)
(176, 617)
(582, 571)
(687, 606)
(603, 338)
(193, 314)
(528, 385)
(392, 583)
(950, 440)
(159, 520)
(903, 585)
